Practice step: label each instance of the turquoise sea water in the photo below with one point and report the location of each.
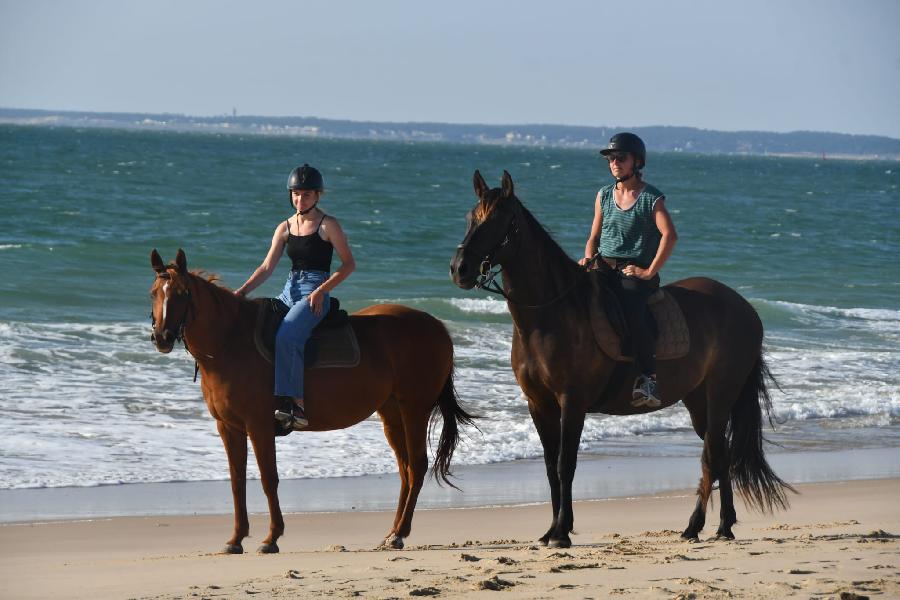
(813, 244)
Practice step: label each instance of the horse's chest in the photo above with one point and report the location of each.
(544, 361)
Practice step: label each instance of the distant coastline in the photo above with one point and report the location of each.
(810, 144)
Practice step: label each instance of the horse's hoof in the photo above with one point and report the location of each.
(270, 548)
(392, 542)
(233, 549)
(725, 536)
(691, 537)
(563, 543)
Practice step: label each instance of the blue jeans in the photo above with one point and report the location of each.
(294, 331)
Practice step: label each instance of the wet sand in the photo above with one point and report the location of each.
(836, 538)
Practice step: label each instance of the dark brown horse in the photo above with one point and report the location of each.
(564, 375)
(405, 374)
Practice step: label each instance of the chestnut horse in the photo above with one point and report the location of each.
(405, 374)
(564, 375)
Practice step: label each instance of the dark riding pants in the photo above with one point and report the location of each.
(633, 293)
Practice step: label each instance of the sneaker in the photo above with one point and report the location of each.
(645, 393)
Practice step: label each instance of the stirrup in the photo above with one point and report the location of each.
(296, 418)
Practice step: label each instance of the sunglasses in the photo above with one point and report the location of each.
(617, 157)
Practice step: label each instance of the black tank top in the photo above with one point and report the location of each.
(309, 252)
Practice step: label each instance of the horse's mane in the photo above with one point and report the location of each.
(214, 283)
(551, 249)
(210, 277)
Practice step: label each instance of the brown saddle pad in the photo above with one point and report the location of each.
(332, 344)
(673, 340)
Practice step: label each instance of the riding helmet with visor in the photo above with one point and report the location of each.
(627, 142)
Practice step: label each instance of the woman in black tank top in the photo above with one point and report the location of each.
(310, 238)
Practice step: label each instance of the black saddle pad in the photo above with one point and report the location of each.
(612, 306)
(339, 339)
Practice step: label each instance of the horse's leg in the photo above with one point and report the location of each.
(546, 418)
(414, 423)
(571, 426)
(727, 514)
(235, 443)
(719, 415)
(396, 437)
(715, 464)
(696, 403)
(264, 448)
(704, 489)
(415, 427)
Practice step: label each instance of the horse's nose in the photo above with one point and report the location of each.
(164, 337)
(458, 267)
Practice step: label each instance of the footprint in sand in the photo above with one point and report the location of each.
(426, 591)
(800, 572)
(494, 584)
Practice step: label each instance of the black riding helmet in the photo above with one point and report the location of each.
(628, 142)
(304, 178)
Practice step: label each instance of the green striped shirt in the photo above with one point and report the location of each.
(630, 234)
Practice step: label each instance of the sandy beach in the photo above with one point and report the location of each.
(836, 540)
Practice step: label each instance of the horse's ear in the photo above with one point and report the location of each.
(506, 185)
(156, 262)
(181, 262)
(480, 186)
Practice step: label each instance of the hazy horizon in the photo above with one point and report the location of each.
(452, 123)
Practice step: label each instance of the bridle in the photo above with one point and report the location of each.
(488, 271)
(189, 311)
(179, 331)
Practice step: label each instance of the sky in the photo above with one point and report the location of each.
(785, 65)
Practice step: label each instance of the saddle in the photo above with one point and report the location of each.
(332, 344)
(611, 331)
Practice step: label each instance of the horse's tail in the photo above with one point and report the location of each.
(757, 483)
(453, 416)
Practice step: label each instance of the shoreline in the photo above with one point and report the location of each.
(508, 484)
(836, 537)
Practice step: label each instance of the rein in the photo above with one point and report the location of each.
(487, 282)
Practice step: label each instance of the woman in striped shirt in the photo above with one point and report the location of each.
(634, 234)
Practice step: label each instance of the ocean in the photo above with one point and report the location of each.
(86, 400)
